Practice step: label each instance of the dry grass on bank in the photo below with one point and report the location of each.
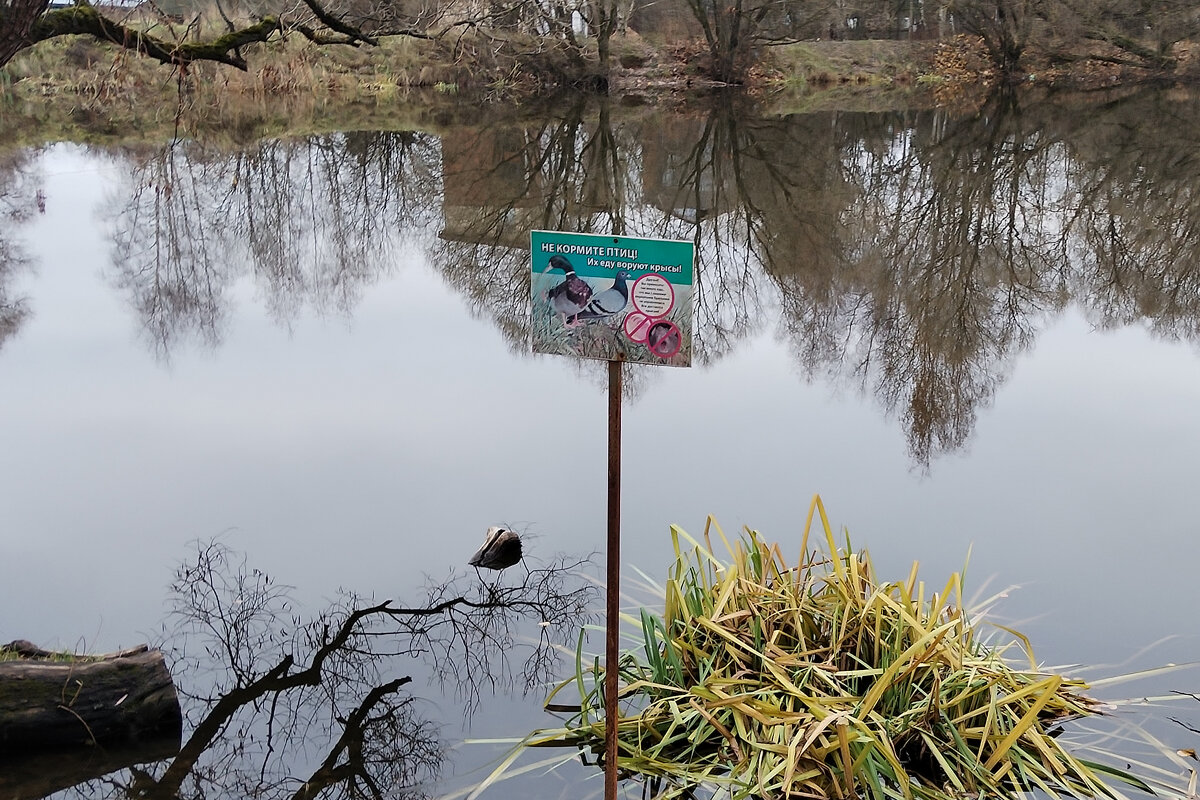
(860, 62)
(91, 69)
(75, 88)
(511, 67)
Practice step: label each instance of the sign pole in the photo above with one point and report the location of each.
(613, 581)
(616, 299)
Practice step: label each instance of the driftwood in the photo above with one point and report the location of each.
(51, 701)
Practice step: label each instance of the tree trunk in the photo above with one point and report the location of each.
(16, 20)
(111, 699)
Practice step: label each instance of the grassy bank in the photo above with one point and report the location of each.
(76, 89)
(83, 91)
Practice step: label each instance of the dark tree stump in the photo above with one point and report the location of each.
(48, 703)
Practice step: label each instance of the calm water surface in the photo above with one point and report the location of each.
(969, 333)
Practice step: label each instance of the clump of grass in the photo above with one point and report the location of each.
(817, 680)
(24, 651)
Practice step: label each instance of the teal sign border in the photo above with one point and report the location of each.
(612, 297)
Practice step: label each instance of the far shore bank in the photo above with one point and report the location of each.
(79, 90)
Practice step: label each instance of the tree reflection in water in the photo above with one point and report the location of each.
(18, 201)
(914, 254)
(584, 172)
(280, 707)
(953, 264)
(313, 222)
(1135, 233)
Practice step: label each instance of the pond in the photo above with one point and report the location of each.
(971, 333)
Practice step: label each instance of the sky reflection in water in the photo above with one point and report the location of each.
(368, 427)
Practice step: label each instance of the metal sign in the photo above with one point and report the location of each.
(615, 298)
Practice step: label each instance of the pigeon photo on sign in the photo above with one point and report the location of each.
(612, 297)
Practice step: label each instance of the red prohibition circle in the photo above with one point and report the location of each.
(664, 339)
(636, 326)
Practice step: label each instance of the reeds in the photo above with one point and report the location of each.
(819, 681)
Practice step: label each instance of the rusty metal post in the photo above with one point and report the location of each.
(613, 581)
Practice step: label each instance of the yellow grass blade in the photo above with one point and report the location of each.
(1050, 685)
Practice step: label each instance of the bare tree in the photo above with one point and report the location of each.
(1139, 34)
(24, 23)
(729, 29)
(736, 30)
(1004, 25)
(17, 20)
(353, 23)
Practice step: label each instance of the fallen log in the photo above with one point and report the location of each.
(55, 701)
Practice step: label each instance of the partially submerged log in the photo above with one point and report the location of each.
(32, 775)
(53, 701)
